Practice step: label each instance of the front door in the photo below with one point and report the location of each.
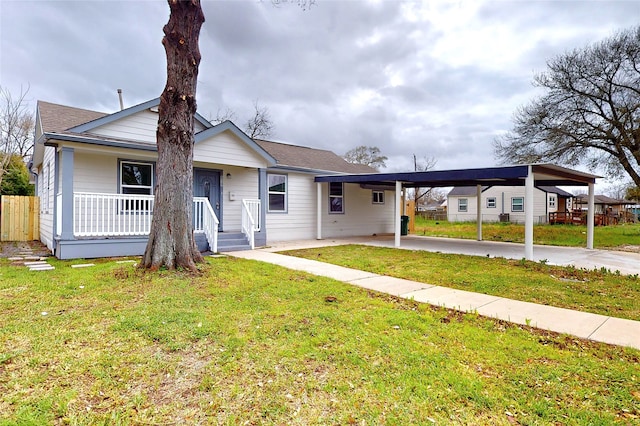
(206, 183)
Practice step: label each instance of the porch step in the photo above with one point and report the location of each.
(232, 242)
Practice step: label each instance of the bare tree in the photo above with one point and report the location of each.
(590, 113)
(16, 128)
(171, 243)
(423, 165)
(304, 4)
(223, 115)
(259, 125)
(367, 155)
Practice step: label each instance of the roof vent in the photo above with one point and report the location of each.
(120, 98)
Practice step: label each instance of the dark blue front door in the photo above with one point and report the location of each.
(206, 183)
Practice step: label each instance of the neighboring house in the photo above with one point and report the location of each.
(608, 210)
(96, 178)
(505, 203)
(604, 204)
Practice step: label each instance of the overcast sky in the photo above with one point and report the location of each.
(433, 78)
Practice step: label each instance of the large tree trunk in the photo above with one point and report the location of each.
(171, 242)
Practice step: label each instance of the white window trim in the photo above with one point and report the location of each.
(285, 192)
(495, 203)
(336, 196)
(142, 163)
(373, 197)
(460, 204)
(512, 204)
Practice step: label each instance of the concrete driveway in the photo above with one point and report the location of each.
(625, 262)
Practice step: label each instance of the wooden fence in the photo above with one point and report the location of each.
(19, 218)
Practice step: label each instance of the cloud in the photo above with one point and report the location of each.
(438, 79)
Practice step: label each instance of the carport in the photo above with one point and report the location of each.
(529, 176)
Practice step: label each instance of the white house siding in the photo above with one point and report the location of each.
(46, 192)
(299, 222)
(95, 173)
(501, 194)
(226, 148)
(139, 127)
(361, 217)
(242, 184)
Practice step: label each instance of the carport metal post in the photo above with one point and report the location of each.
(528, 215)
(479, 212)
(590, 216)
(319, 210)
(397, 212)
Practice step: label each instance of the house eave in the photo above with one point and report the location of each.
(96, 141)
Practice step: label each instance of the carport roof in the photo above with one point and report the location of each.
(544, 174)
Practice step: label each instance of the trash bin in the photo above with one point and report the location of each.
(404, 225)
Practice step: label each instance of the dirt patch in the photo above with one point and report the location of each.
(15, 248)
(628, 248)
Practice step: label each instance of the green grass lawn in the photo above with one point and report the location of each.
(609, 237)
(600, 292)
(252, 343)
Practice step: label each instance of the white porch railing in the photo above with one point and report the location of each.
(113, 215)
(102, 215)
(250, 220)
(205, 220)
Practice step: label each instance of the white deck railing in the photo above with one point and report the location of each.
(250, 220)
(106, 215)
(205, 220)
(114, 215)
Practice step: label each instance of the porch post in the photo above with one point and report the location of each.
(65, 188)
(528, 215)
(479, 212)
(261, 236)
(398, 211)
(319, 210)
(590, 216)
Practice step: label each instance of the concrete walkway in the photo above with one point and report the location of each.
(595, 327)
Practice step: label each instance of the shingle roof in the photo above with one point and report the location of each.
(602, 199)
(555, 190)
(459, 191)
(58, 118)
(310, 158)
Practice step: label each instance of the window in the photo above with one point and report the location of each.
(336, 197)
(136, 178)
(378, 197)
(462, 204)
(46, 187)
(491, 202)
(277, 193)
(552, 201)
(517, 204)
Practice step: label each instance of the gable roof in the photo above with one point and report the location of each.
(110, 118)
(302, 157)
(75, 124)
(229, 126)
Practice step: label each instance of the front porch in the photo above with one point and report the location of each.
(106, 225)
